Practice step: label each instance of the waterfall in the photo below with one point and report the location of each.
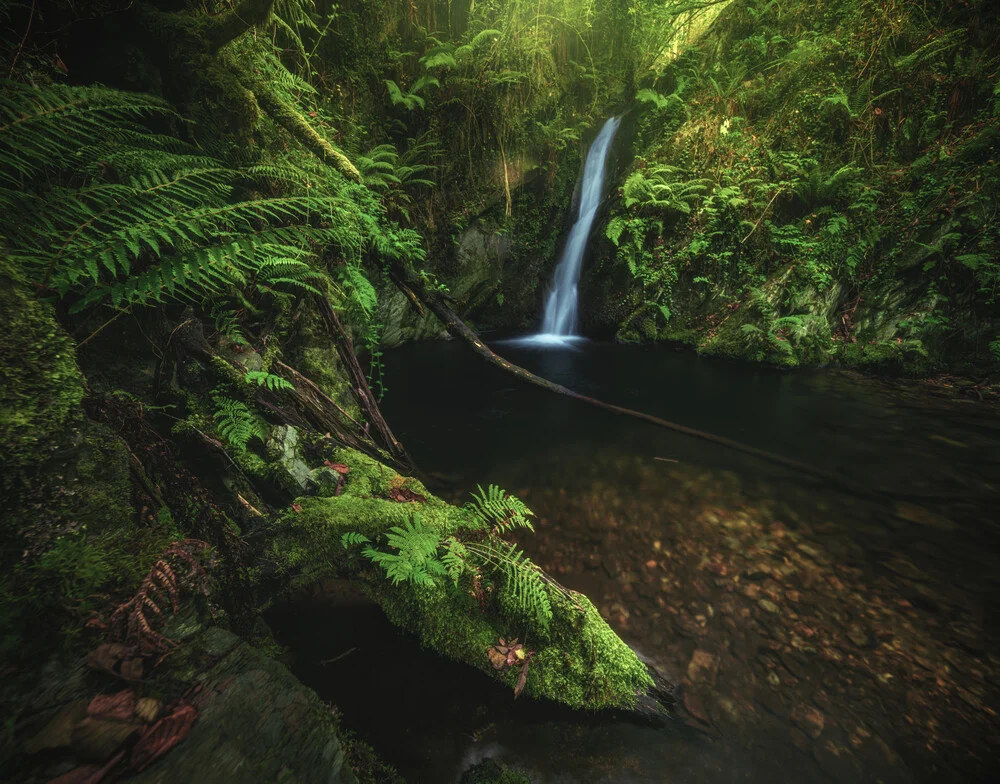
(559, 320)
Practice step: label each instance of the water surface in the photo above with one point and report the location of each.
(817, 635)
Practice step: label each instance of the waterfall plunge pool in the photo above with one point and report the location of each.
(816, 635)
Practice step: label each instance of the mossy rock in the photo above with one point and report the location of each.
(67, 525)
(578, 659)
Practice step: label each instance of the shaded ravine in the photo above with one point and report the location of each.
(818, 635)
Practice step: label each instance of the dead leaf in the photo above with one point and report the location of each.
(164, 735)
(132, 669)
(522, 679)
(340, 468)
(403, 495)
(296, 508)
(148, 709)
(116, 659)
(497, 659)
(116, 707)
(89, 774)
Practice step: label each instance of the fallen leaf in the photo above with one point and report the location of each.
(116, 659)
(163, 736)
(59, 731)
(116, 707)
(497, 659)
(522, 679)
(89, 774)
(148, 709)
(402, 495)
(97, 739)
(340, 468)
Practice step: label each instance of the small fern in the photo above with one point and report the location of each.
(422, 556)
(496, 509)
(455, 559)
(236, 422)
(352, 539)
(525, 586)
(417, 561)
(268, 380)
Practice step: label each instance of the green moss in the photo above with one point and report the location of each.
(313, 354)
(68, 528)
(42, 387)
(578, 660)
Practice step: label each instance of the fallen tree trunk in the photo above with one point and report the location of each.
(408, 280)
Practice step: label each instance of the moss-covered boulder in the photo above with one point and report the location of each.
(67, 524)
(573, 657)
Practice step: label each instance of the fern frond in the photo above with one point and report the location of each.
(497, 510)
(525, 586)
(45, 128)
(236, 423)
(268, 380)
(352, 538)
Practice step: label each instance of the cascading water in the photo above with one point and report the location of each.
(559, 319)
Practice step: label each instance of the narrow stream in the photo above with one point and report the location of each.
(816, 635)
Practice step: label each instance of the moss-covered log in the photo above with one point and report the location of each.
(578, 659)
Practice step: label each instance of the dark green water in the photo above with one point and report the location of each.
(816, 634)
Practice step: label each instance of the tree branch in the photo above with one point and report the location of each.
(359, 383)
(289, 118)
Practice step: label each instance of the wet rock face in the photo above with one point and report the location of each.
(256, 723)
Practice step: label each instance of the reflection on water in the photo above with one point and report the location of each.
(816, 635)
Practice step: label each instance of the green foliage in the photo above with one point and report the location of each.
(268, 380)
(156, 221)
(352, 538)
(236, 423)
(45, 128)
(837, 147)
(424, 557)
(408, 101)
(417, 559)
(496, 509)
(659, 187)
(78, 568)
(526, 590)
